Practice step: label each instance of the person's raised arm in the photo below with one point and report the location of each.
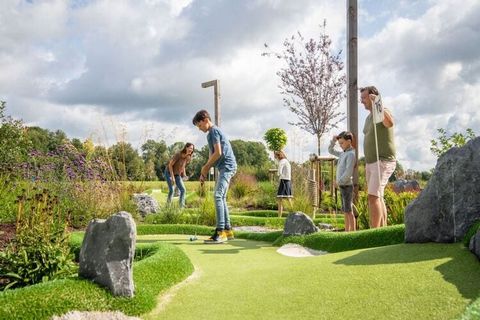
(388, 119)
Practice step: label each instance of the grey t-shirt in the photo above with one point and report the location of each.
(345, 164)
(227, 160)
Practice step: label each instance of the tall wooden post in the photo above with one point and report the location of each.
(216, 96)
(352, 81)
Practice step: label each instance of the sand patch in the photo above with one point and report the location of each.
(298, 251)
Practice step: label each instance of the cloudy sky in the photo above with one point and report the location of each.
(117, 69)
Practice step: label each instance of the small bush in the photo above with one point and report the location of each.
(301, 203)
(8, 194)
(40, 250)
(205, 214)
(266, 197)
(396, 204)
(169, 214)
(242, 185)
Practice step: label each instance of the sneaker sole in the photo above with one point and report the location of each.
(213, 242)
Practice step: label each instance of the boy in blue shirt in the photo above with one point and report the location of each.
(221, 157)
(344, 181)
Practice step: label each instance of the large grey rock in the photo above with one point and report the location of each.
(450, 203)
(106, 256)
(298, 223)
(145, 204)
(403, 185)
(475, 244)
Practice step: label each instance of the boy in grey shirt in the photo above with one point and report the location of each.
(344, 181)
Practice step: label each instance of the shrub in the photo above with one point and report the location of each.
(8, 193)
(205, 214)
(396, 204)
(84, 187)
(363, 218)
(266, 197)
(13, 138)
(242, 185)
(40, 250)
(169, 214)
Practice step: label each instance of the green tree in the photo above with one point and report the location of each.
(155, 152)
(200, 157)
(126, 162)
(38, 138)
(13, 140)
(78, 144)
(45, 140)
(56, 139)
(250, 153)
(276, 139)
(89, 148)
(445, 142)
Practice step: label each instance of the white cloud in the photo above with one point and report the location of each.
(140, 64)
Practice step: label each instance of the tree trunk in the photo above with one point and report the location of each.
(318, 143)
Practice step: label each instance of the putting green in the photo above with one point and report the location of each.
(250, 280)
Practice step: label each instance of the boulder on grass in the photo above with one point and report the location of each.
(402, 185)
(298, 223)
(107, 252)
(146, 204)
(450, 203)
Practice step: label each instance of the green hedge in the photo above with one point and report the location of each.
(145, 229)
(274, 214)
(259, 236)
(275, 222)
(164, 266)
(344, 241)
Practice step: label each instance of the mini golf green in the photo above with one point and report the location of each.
(250, 280)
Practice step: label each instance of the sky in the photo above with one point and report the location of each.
(115, 70)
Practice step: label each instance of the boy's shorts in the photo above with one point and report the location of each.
(346, 193)
(374, 186)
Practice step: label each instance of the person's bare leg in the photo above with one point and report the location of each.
(353, 226)
(280, 207)
(376, 211)
(384, 213)
(347, 221)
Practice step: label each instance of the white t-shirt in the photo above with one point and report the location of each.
(284, 170)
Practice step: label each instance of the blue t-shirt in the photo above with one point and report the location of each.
(227, 159)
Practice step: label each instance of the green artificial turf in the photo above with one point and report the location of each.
(343, 241)
(472, 312)
(250, 280)
(163, 265)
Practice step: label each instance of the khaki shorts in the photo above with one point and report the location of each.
(374, 186)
